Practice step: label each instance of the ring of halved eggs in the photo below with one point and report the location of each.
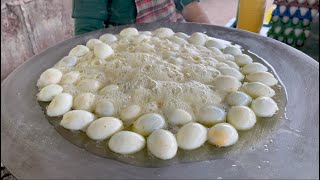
(246, 86)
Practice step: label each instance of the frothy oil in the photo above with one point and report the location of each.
(151, 75)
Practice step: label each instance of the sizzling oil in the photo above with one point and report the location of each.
(262, 130)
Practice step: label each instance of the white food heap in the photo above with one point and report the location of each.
(133, 88)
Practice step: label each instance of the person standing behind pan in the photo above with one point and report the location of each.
(91, 15)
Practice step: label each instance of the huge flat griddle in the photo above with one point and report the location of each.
(31, 148)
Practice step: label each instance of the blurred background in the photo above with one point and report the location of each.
(30, 26)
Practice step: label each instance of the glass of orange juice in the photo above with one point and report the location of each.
(250, 14)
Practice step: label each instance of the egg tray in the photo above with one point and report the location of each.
(294, 25)
(289, 35)
(296, 43)
(310, 14)
(290, 32)
(289, 24)
(306, 4)
(280, 21)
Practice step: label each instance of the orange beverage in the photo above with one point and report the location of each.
(250, 14)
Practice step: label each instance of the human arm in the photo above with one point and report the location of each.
(193, 12)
